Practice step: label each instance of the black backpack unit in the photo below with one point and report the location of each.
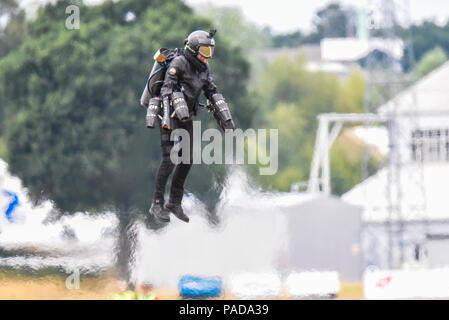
(150, 99)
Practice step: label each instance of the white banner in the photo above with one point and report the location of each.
(406, 284)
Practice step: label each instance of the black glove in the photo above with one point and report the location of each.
(228, 125)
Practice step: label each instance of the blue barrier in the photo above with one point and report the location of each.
(13, 203)
(197, 287)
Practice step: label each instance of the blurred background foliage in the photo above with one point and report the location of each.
(429, 61)
(70, 122)
(292, 98)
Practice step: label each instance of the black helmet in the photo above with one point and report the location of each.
(201, 42)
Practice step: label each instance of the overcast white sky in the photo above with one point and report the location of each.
(290, 15)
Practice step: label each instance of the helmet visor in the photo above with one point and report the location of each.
(206, 51)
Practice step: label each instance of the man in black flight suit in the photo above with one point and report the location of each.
(187, 73)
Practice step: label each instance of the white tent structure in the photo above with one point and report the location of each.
(73, 242)
(353, 49)
(13, 185)
(372, 195)
(430, 94)
(260, 232)
(421, 155)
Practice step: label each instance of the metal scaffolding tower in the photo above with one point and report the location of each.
(385, 79)
(320, 180)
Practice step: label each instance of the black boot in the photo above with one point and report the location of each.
(157, 209)
(176, 209)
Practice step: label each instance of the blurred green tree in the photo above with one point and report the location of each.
(429, 61)
(426, 36)
(71, 99)
(75, 131)
(12, 33)
(234, 28)
(292, 98)
(345, 160)
(242, 35)
(289, 40)
(332, 21)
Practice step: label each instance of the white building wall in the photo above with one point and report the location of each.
(434, 149)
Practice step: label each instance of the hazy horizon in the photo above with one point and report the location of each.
(284, 16)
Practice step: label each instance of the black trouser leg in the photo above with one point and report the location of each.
(177, 184)
(182, 169)
(166, 166)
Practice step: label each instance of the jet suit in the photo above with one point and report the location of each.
(190, 76)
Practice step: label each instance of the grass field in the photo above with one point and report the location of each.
(15, 285)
